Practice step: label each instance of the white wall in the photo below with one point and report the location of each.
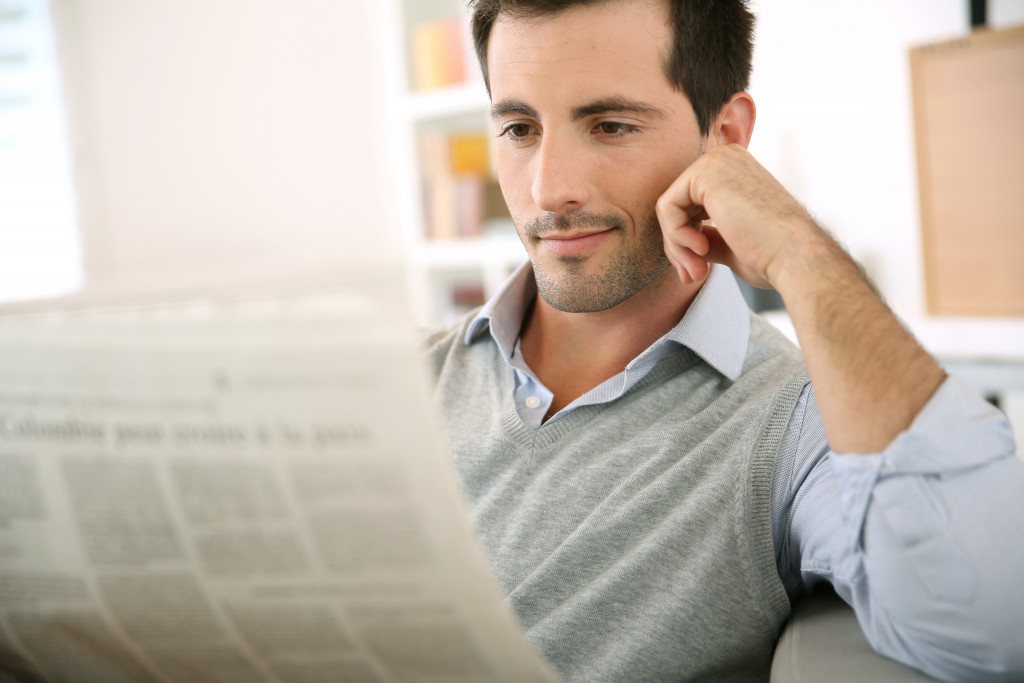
(207, 136)
(1005, 13)
(832, 85)
(835, 120)
(213, 136)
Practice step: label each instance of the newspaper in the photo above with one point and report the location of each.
(236, 490)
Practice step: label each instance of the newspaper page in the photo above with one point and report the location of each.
(236, 491)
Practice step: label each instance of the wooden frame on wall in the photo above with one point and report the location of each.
(969, 127)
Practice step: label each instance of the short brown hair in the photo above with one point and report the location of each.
(712, 46)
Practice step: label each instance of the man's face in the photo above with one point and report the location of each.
(590, 134)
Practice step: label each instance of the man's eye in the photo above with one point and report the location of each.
(516, 130)
(615, 128)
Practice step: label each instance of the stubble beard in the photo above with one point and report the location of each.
(567, 286)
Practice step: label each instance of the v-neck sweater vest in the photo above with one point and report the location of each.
(632, 538)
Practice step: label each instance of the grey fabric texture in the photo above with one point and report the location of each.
(633, 539)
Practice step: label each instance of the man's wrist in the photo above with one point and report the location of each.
(810, 255)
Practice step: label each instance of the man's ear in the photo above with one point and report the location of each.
(735, 121)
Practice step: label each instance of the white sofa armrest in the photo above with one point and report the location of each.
(823, 642)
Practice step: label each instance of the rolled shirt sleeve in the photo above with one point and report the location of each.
(925, 539)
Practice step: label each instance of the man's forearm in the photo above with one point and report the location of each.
(870, 375)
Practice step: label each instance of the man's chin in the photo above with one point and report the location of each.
(581, 292)
(580, 297)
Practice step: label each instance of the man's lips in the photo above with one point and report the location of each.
(575, 243)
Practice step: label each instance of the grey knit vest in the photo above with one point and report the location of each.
(633, 539)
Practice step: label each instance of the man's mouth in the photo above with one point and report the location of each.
(575, 242)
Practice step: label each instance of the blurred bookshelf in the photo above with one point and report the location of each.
(459, 239)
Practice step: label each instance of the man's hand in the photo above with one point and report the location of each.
(870, 376)
(758, 222)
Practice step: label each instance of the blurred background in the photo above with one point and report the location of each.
(193, 139)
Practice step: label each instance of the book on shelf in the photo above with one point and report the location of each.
(460, 194)
(466, 296)
(469, 153)
(438, 54)
(459, 152)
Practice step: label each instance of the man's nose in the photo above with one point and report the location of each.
(560, 181)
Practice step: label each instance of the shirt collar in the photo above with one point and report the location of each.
(505, 310)
(716, 326)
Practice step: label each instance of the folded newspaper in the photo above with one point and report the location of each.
(236, 488)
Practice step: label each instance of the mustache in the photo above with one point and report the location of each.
(565, 222)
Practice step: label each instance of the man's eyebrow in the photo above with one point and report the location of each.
(508, 106)
(612, 105)
(608, 105)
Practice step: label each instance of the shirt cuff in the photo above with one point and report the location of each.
(956, 430)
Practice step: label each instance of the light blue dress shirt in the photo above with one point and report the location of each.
(925, 539)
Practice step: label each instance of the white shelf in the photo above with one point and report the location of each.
(458, 100)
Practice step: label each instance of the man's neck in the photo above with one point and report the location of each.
(571, 353)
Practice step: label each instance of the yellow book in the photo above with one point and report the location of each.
(437, 54)
(470, 154)
(427, 56)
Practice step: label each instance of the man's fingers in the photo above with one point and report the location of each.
(675, 206)
(682, 220)
(688, 237)
(685, 248)
(719, 252)
(688, 266)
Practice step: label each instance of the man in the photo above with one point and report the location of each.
(646, 462)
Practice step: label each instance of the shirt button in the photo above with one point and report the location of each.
(532, 402)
